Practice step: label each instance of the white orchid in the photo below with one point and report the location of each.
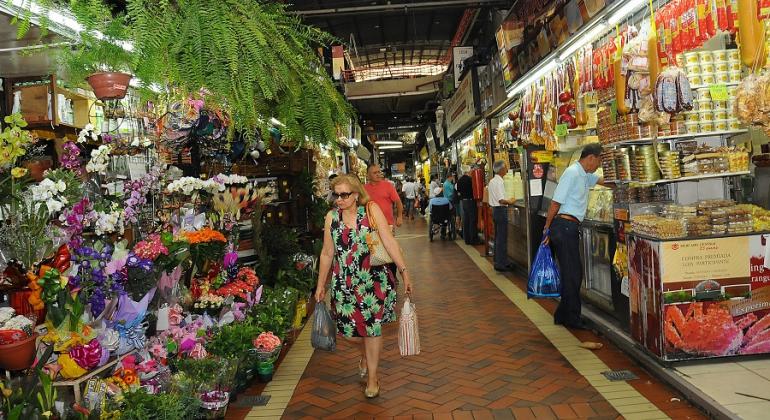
(111, 222)
(86, 133)
(99, 159)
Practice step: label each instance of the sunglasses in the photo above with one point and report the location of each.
(343, 196)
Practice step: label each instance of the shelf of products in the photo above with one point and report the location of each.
(706, 218)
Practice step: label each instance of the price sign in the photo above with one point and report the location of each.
(718, 92)
(561, 130)
(613, 112)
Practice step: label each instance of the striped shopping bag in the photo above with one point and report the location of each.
(408, 334)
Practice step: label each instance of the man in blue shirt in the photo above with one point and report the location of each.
(562, 230)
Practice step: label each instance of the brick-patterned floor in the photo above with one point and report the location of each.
(481, 358)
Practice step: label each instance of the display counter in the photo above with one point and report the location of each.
(702, 298)
(518, 237)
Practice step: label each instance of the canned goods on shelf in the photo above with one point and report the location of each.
(720, 66)
(691, 58)
(706, 126)
(706, 68)
(733, 55)
(734, 66)
(722, 77)
(720, 125)
(693, 69)
(720, 114)
(720, 55)
(692, 127)
(719, 105)
(735, 76)
(695, 80)
(705, 106)
(709, 79)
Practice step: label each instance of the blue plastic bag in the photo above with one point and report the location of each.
(544, 280)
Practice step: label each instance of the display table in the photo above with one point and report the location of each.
(700, 298)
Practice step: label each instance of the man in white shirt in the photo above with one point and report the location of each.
(432, 191)
(410, 194)
(499, 204)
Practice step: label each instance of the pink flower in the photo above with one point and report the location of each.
(176, 332)
(175, 316)
(187, 344)
(198, 352)
(158, 351)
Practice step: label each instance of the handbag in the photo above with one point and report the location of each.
(408, 333)
(378, 255)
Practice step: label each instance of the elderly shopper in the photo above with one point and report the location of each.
(499, 205)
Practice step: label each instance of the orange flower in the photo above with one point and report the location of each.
(204, 235)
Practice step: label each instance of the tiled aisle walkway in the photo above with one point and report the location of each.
(482, 357)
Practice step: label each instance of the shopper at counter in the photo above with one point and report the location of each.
(468, 204)
(499, 206)
(562, 230)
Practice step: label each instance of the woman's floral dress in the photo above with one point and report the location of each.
(363, 296)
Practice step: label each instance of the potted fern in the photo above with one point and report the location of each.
(103, 56)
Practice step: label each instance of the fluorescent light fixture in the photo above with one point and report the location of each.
(625, 10)
(389, 147)
(546, 68)
(275, 121)
(585, 38)
(389, 142)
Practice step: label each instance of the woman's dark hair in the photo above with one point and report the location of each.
(591, 149)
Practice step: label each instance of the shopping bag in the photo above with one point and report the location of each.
(544, 278)
(324, 334)
(408, 334)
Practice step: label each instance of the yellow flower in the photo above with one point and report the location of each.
(18, 172)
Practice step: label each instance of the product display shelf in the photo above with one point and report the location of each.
(694, 238)
(683, 179)
(648, 140)
(693, 87)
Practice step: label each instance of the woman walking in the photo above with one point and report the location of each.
(363, 297)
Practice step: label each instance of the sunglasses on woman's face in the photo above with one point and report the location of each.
(343, 195)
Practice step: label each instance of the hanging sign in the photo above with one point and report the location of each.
(459, 54)
(542, 156)
(460, 109)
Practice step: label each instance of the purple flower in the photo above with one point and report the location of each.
(133, 260)
(145, 265)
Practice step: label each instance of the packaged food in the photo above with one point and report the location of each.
(734, 66)
(722, 77)
(695, 80)
(733, 124)
(708, 78)
(721, 66)
(720, 125)
(705, 113)
(691, 58)
(734, 76)
(705, 57)
(691, 116)
(707, 68)
(720, 56)
(706, 126)
(692, 127)
(720, 114)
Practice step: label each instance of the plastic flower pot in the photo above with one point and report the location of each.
(18, 355)
(109, 85)
(265, 372)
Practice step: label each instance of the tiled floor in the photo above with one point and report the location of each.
(742, 386)
(487, 352)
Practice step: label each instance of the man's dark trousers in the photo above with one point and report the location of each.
(470, 231)
(565, 243)
(500, 217)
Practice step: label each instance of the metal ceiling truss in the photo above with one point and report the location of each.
(400, 7)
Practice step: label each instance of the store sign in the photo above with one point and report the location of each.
(717, 258)
(460, 109)
(542, 156)
(459, 54)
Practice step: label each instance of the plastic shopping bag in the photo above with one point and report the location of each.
(324, 333)
(408, 334)
(544, 280)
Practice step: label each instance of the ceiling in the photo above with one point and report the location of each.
(14, 61)
(398, 35)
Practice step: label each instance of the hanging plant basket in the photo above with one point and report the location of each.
(109, 85)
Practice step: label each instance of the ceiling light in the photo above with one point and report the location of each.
(383, 142)
(585, 38)
(390, 147)
(625, 10)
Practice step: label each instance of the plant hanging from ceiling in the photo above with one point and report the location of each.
(254, 60)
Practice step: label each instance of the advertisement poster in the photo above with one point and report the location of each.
(645, 293)
(714, 301)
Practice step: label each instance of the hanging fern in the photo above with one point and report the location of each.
(255, 61)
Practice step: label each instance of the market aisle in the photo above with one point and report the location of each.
(482, 357)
